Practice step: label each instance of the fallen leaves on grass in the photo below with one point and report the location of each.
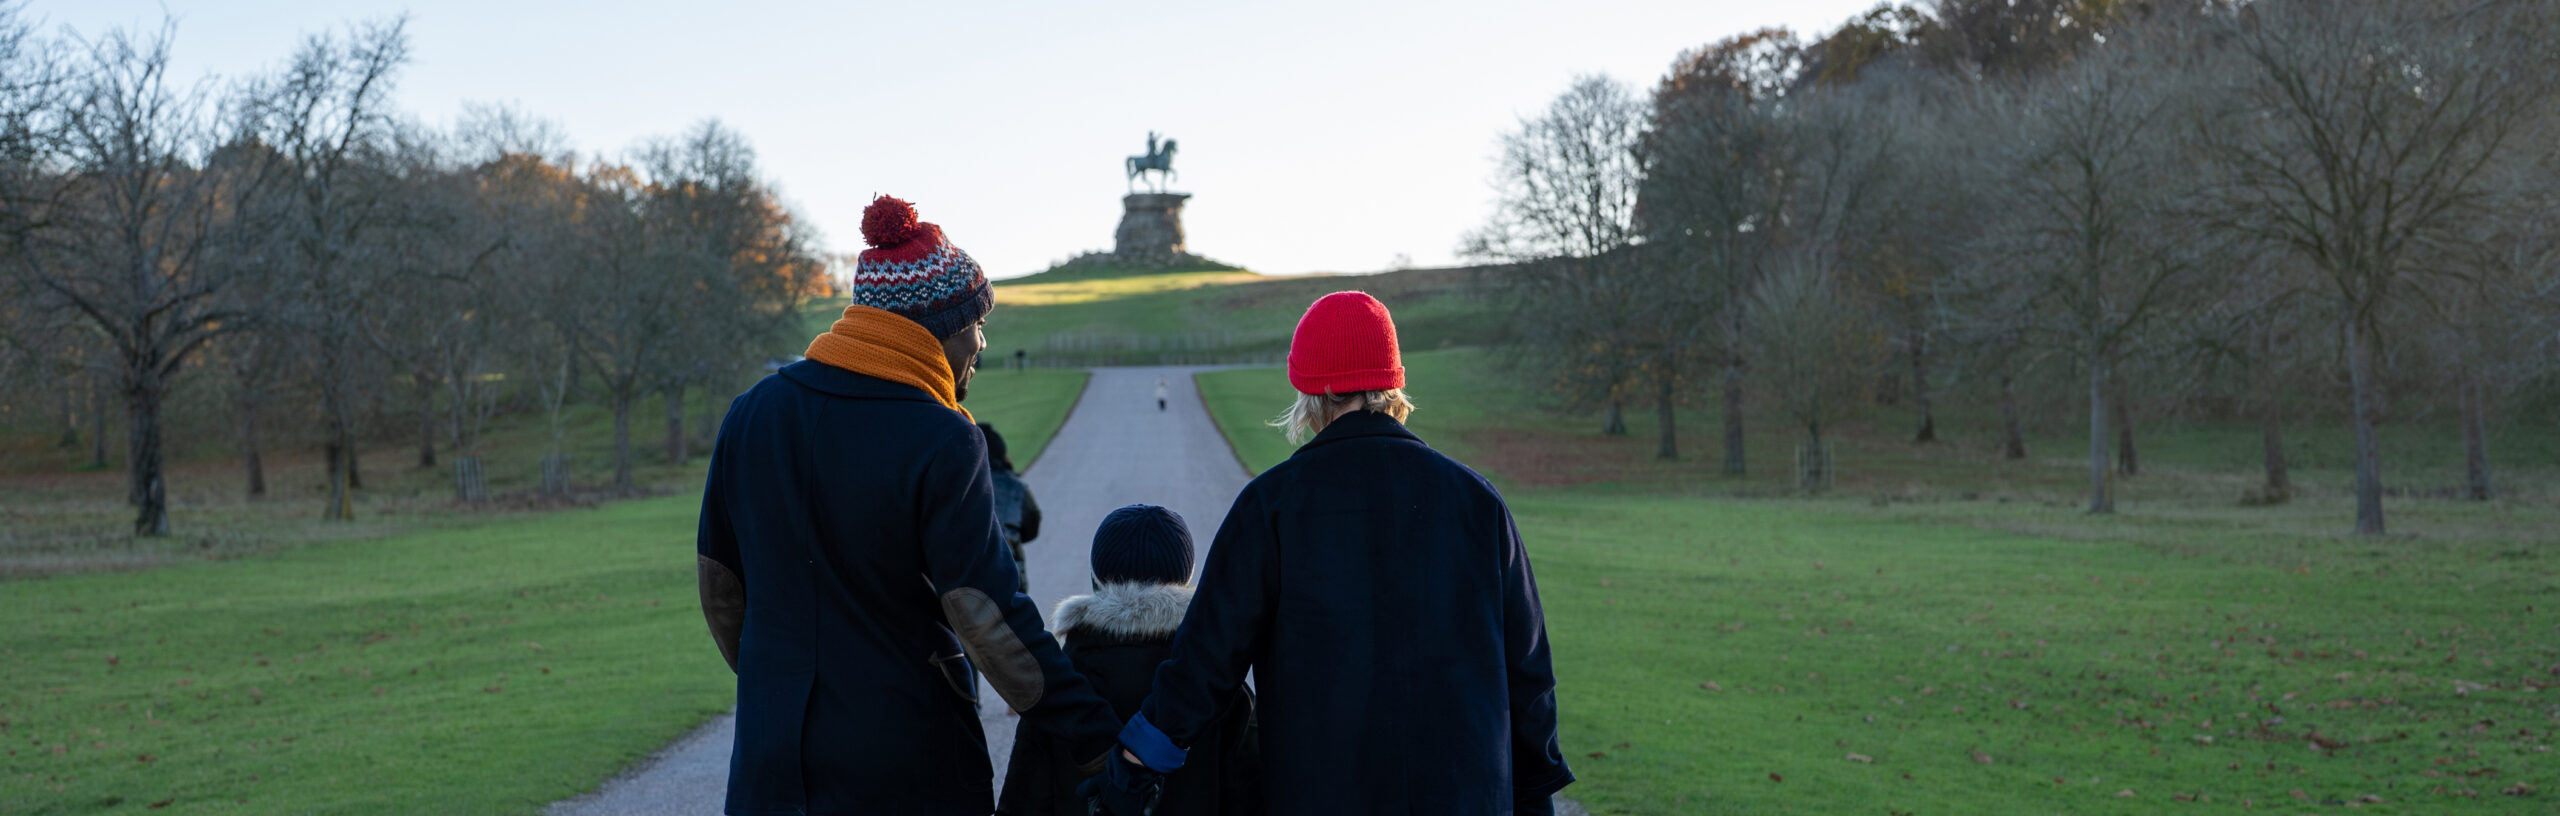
(1862, 758)
(1773, 777)
(1711, 686)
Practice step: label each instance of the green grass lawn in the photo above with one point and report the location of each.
(1946, 633)
(1764, 656)
(1025, 405)
(489, 668)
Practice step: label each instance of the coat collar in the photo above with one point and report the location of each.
(829, 379)
(1360, 424)
(1124, 610)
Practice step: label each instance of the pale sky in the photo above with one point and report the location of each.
(1316, 135)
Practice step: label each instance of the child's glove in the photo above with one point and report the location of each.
(1124, 788)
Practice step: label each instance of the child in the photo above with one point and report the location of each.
(1115, 637)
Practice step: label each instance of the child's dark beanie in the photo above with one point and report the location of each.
(1142, 543)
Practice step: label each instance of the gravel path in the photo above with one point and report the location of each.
(1117, 448)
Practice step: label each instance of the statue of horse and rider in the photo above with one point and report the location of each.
(1157, 159)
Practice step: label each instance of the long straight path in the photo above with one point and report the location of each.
(1119, 447)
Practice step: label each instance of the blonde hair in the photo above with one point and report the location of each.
(1311, 412)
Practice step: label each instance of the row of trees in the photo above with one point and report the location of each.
(2230, 204)
(291, 242)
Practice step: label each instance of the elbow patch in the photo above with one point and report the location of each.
(724, 605)
(998, 653)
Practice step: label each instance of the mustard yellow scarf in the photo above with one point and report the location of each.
(879, 343)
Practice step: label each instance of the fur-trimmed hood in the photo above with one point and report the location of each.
(1124, 610)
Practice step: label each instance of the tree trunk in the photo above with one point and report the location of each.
(2271, 435)
(2121, 409)
(2012, 430)
(70, 418)
(2475, 437)
(144, 456)
(622, 481)
(341, 499)
(2271, 419)
(1920, 387)
(1615, 424)
(355, 465)
(2368, 443)
(133, 482)
(426, 423)
(1670, 448)
(1733, 461)
(1813, 463)
(97, 423)
(2101, 498)
(676, 453)
(250, 460)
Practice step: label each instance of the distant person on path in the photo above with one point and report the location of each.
(1160, 393)
(850, 556)
(1016, 510)
(1379, 593)
(1116, 637)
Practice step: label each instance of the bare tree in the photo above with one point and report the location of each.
(2360, 134)
(2085, 249)
(1567, 187)
(1817, 350)
(327, 113)
(1714, 200)
(129, 233)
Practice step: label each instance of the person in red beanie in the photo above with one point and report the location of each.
(1379, 594)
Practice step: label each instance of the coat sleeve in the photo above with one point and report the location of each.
(1537, 759)
(972, 571)
(1220, 638)
(719, 574)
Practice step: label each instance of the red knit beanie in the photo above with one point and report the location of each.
(1345, 344)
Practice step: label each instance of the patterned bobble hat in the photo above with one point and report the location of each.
(911, 269)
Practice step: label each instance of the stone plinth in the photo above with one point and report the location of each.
(1150, 227)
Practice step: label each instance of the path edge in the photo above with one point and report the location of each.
(1062, 421)
(1203, 396)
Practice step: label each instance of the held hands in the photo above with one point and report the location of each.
(1124, 788)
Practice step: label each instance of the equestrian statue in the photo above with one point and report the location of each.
(1157, 159)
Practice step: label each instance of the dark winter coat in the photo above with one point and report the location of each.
(859, 515)
(1116, 637)
(1379, 594)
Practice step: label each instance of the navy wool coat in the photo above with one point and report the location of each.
(1379, 593)
(859, 515)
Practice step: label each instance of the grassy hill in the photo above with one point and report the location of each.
(1134, 317)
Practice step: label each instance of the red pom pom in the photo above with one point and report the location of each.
(888, 222)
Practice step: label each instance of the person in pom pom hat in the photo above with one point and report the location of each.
(1379, 594)
(852, 567)
(1116, 637)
